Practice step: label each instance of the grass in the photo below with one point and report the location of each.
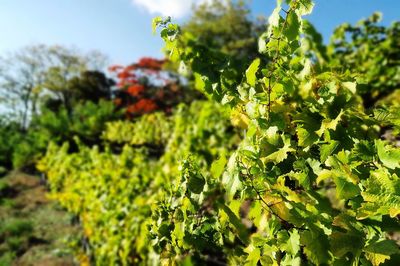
(7, 258)
(14, 237)
(15, 227)
(4, 188)
(33, 230)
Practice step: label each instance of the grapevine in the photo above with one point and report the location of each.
(311, 160)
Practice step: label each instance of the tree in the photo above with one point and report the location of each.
(88, 86)
(21, 73)
(34, 71)
(226, 26)
(63, 74)
(91, 86)
(145, 86)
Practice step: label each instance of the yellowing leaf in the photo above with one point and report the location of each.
(376, 259)
(380, 251)
(254, 257)
(155, 23)
(282, 211)
(281, 154)
(329, 124)
(273, 20)
(306, 7)
(323, 175)
(351, 86)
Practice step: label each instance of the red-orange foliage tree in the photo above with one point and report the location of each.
(145, 86)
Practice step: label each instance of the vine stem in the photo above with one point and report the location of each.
(268, 207)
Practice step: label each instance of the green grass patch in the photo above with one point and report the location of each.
(15, 227)
(7, 258)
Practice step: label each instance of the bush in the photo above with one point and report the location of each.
(10, 136)
(87, 121)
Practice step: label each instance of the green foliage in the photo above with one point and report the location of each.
(114, 194)
(311, 181)
(32, 72)
(251, 72)
(225, 33)
(55, 97)
(27, 151)
(151, 129)
(10, 135)
(226, 26)
(87, 121)
(15, 228)
(371, 50)
(310, 171)
(14, 234)
(7, 258)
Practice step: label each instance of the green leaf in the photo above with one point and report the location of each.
(293, 26)
(252, 71)
(365, 150)
(254, 257)
(306, 137)
(342, 243)
(345, 189)
(155, 22)
(386, 247)
(230, 178)
(390, 157)
(272, 136)
(290, 261)
(281, 154)
(238, 225)
(293, 245)
(330, 124)
(381, 194)
(316, 246)
(327, 149)
(218, 167)
(311, 121)
(380, 251)
(196, 183)
(351, 86)
(273, 20)
(262, 43)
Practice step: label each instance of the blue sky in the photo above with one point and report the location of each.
(122, 28)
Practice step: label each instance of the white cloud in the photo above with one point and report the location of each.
(173, 8)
